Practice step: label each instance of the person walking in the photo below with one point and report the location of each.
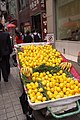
(28, 38)
(5, 51)
(18, 40)
(36, 36)
(18, 37)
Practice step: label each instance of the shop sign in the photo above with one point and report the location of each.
(44, 15)
(50, 38)
(42, 4)
(27, 24)
(3, 6)
(44, 24)
(34, 4)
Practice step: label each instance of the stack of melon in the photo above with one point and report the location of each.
(44, 77)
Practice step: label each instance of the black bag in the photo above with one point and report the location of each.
(28, 39)
(0, 59)
(24, 103)
(14, 57)
(36, 38)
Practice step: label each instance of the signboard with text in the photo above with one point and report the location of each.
(37, 6)
(34, 6)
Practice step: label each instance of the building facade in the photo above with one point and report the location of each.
(32, 15)
(23, 15)
(3, 11)
(38, 16)
(12, 11)
(63, 19)
(8, 11)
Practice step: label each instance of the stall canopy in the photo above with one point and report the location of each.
(11, 25)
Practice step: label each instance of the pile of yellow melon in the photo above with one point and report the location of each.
(56, 86)
(45, 86)
(34, 56)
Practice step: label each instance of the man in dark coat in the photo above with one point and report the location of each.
(5, 51)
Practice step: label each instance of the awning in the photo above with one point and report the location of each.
(11, 25)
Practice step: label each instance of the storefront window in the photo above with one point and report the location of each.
(68, 19)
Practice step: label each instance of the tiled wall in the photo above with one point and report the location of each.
(70, 47)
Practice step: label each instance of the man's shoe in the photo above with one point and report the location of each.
(8, 73)
(5, 80)
(15, 64)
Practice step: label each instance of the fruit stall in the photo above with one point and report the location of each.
(50, 80)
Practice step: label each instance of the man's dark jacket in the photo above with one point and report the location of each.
(5, 44)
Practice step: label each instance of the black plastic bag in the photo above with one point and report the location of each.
(27, 110)
(24, 103)
(14, 58)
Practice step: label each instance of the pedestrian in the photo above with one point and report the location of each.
(77, 34)
(36, 36)
(0, 65)
(23, 36)
(5, 51)
(28, 38)
(18, 37)
(73, 35)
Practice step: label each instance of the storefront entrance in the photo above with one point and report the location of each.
(36, 23)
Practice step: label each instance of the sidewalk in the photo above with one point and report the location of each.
(10, 108)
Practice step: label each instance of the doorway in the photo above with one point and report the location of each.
(36, 23)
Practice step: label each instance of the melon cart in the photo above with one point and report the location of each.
(57, 106)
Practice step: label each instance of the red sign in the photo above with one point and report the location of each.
(43, 4)
(44, 24)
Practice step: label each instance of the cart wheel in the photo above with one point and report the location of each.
(65, 114)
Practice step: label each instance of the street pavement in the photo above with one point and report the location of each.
(10, 107)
